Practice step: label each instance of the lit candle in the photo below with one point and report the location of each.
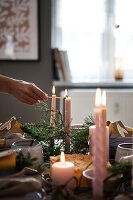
(105, 134)
(97, 150)
(62, 172)
(67, 116)
(53, 107)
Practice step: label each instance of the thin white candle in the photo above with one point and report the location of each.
(67, 116)
(98, 158)
(53, 107)
(62, 172)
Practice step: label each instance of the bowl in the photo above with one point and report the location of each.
(114, 142)
(35, 151)
(109, 186)
(124, 149)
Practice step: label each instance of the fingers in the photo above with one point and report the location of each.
(29, 100)
(38, 93)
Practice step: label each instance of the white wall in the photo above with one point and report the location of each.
(119, 105)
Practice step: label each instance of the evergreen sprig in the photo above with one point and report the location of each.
(22, 161)
(53, 138)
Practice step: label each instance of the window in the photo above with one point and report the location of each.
(86, 29)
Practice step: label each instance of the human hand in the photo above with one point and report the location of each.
(26, 92)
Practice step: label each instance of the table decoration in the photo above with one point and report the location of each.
(123, 149)
(11, 125)
(67, 116)
(53, 107)
(105, 132)
(98, 157)
(91, 143)
(11, 187)
(115, 137)
(35, 151)
(42, 131)
(80, 161)
(63, 172)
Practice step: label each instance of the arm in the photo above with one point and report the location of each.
(24, 91)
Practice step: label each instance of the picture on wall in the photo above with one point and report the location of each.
(19, 30)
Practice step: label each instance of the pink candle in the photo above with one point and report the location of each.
(91, 142)
(67, 116)
(53, 107)
(98, 153)
(103, 129)
(62, 172)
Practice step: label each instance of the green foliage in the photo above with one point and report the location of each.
(120, 167)
(53, 138)
(22, 161)
(123, 170)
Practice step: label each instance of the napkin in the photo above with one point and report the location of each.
(18, 186)
(119, 129)
(10, 126)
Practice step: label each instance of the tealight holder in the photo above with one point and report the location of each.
(32, 147)
(123, 149)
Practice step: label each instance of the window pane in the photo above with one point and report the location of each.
(124, 38)
(81, 23)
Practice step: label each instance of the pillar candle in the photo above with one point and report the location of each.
(91, 138)
(98, 158)
(62, 172)
(67, 116)
(53, 107)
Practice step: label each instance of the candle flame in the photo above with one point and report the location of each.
(62, 157)
(104, 98)
(53, 90)
(98, 97)
(66, 95)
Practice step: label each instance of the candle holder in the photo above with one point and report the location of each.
(119, 72)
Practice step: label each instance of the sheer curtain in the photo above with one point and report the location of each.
(124, 42)
(86, 29)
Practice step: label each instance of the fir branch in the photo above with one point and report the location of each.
(53, 138)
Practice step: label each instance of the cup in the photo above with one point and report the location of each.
(35, 151)
(123, 149)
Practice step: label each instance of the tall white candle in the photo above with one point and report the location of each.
(67, 116)
(62, 172)
(98, 158)
(53, 107)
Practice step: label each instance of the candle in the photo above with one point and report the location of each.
(62, 172)
(97, 150)
(119, 72)
(67, 116)
(53, 107)
(104, 132)
(91, 138)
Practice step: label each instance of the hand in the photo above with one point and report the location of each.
(26, 92)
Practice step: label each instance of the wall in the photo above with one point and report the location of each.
(37, 72)
(119, 105)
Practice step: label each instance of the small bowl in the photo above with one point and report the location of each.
(124, 149)
(109, 186)
(114, 142)
(35, 151)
